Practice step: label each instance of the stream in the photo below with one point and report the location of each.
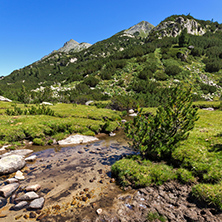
(77, 186)
(75, 180)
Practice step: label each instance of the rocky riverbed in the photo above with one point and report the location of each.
(76, 185)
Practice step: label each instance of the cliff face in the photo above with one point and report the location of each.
(174, 27)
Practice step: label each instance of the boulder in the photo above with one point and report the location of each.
(21, 152)
(34, 187)
(19, 175)
(8, 189)
(46, 103)
(28, 196)
(37, 203)
(10, 164)
(77, 139)
(20, 205)
(11, 180)
(5, 99)
(31, 158)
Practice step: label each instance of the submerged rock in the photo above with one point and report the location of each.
(12, 180)
(37, 203)
(10, 164)
(20, 205)
(34, 187)
(22, 152)
(77, 139)
(8, 189)
(31, 158)
(28, 196)
(19, 175)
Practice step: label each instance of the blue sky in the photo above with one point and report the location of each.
(30, 29)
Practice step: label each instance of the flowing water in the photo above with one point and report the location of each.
(75, 180)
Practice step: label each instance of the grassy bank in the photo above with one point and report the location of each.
(197, 160)
(68, 119)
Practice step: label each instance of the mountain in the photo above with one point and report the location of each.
(71, 45)
(141, 29)
(128, 67)
(173, 25)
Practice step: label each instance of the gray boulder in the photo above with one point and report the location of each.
(10, 164)
(37, 203)
(21, 152)
(20, 205)
(28, 196)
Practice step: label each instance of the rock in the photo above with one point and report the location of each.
(28, 196)
(77, 139)
(11, 180)
(112, 134)
(22, 152)
(37, 203)
(46, 103)
(88, 102)
(10, 164)
(34, 187)
(123, 121)
(31, 158)
(209, 109)
(32, 215)
(5, 99)
(133, 114)
(19, 175)
(20, 205)
(8, 189)
(131, 111)
(99, 211)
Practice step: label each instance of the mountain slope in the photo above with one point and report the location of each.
(126, 68)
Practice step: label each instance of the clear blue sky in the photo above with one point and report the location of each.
(30, 29)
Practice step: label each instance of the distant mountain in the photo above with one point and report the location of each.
(71, 45)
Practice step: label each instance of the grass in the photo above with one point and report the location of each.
(68, 119)
(197, 160)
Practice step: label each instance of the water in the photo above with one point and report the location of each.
(64, 174)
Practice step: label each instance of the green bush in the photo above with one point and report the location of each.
(38, 141)
(172, 70)
(156, 136)
(185, 176)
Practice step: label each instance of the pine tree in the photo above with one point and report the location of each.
(184, 38)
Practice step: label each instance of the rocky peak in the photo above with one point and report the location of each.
(142, 29)
(172, 28)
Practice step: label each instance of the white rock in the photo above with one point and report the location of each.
(22, 152)
(28, 196)
(34, 187)
(133, 114)
(5, 99)
(10, 164)
(123, 121)
(46, 103)
(131, 111)
(31, 158)
(112, 134)
(77, 139)
(19, 175)
(88, 102)
(99, 211)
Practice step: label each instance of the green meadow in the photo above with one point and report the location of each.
(42, 129)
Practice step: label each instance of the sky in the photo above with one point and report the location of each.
(31, 29)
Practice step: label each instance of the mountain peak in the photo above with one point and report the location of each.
(141, 29)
